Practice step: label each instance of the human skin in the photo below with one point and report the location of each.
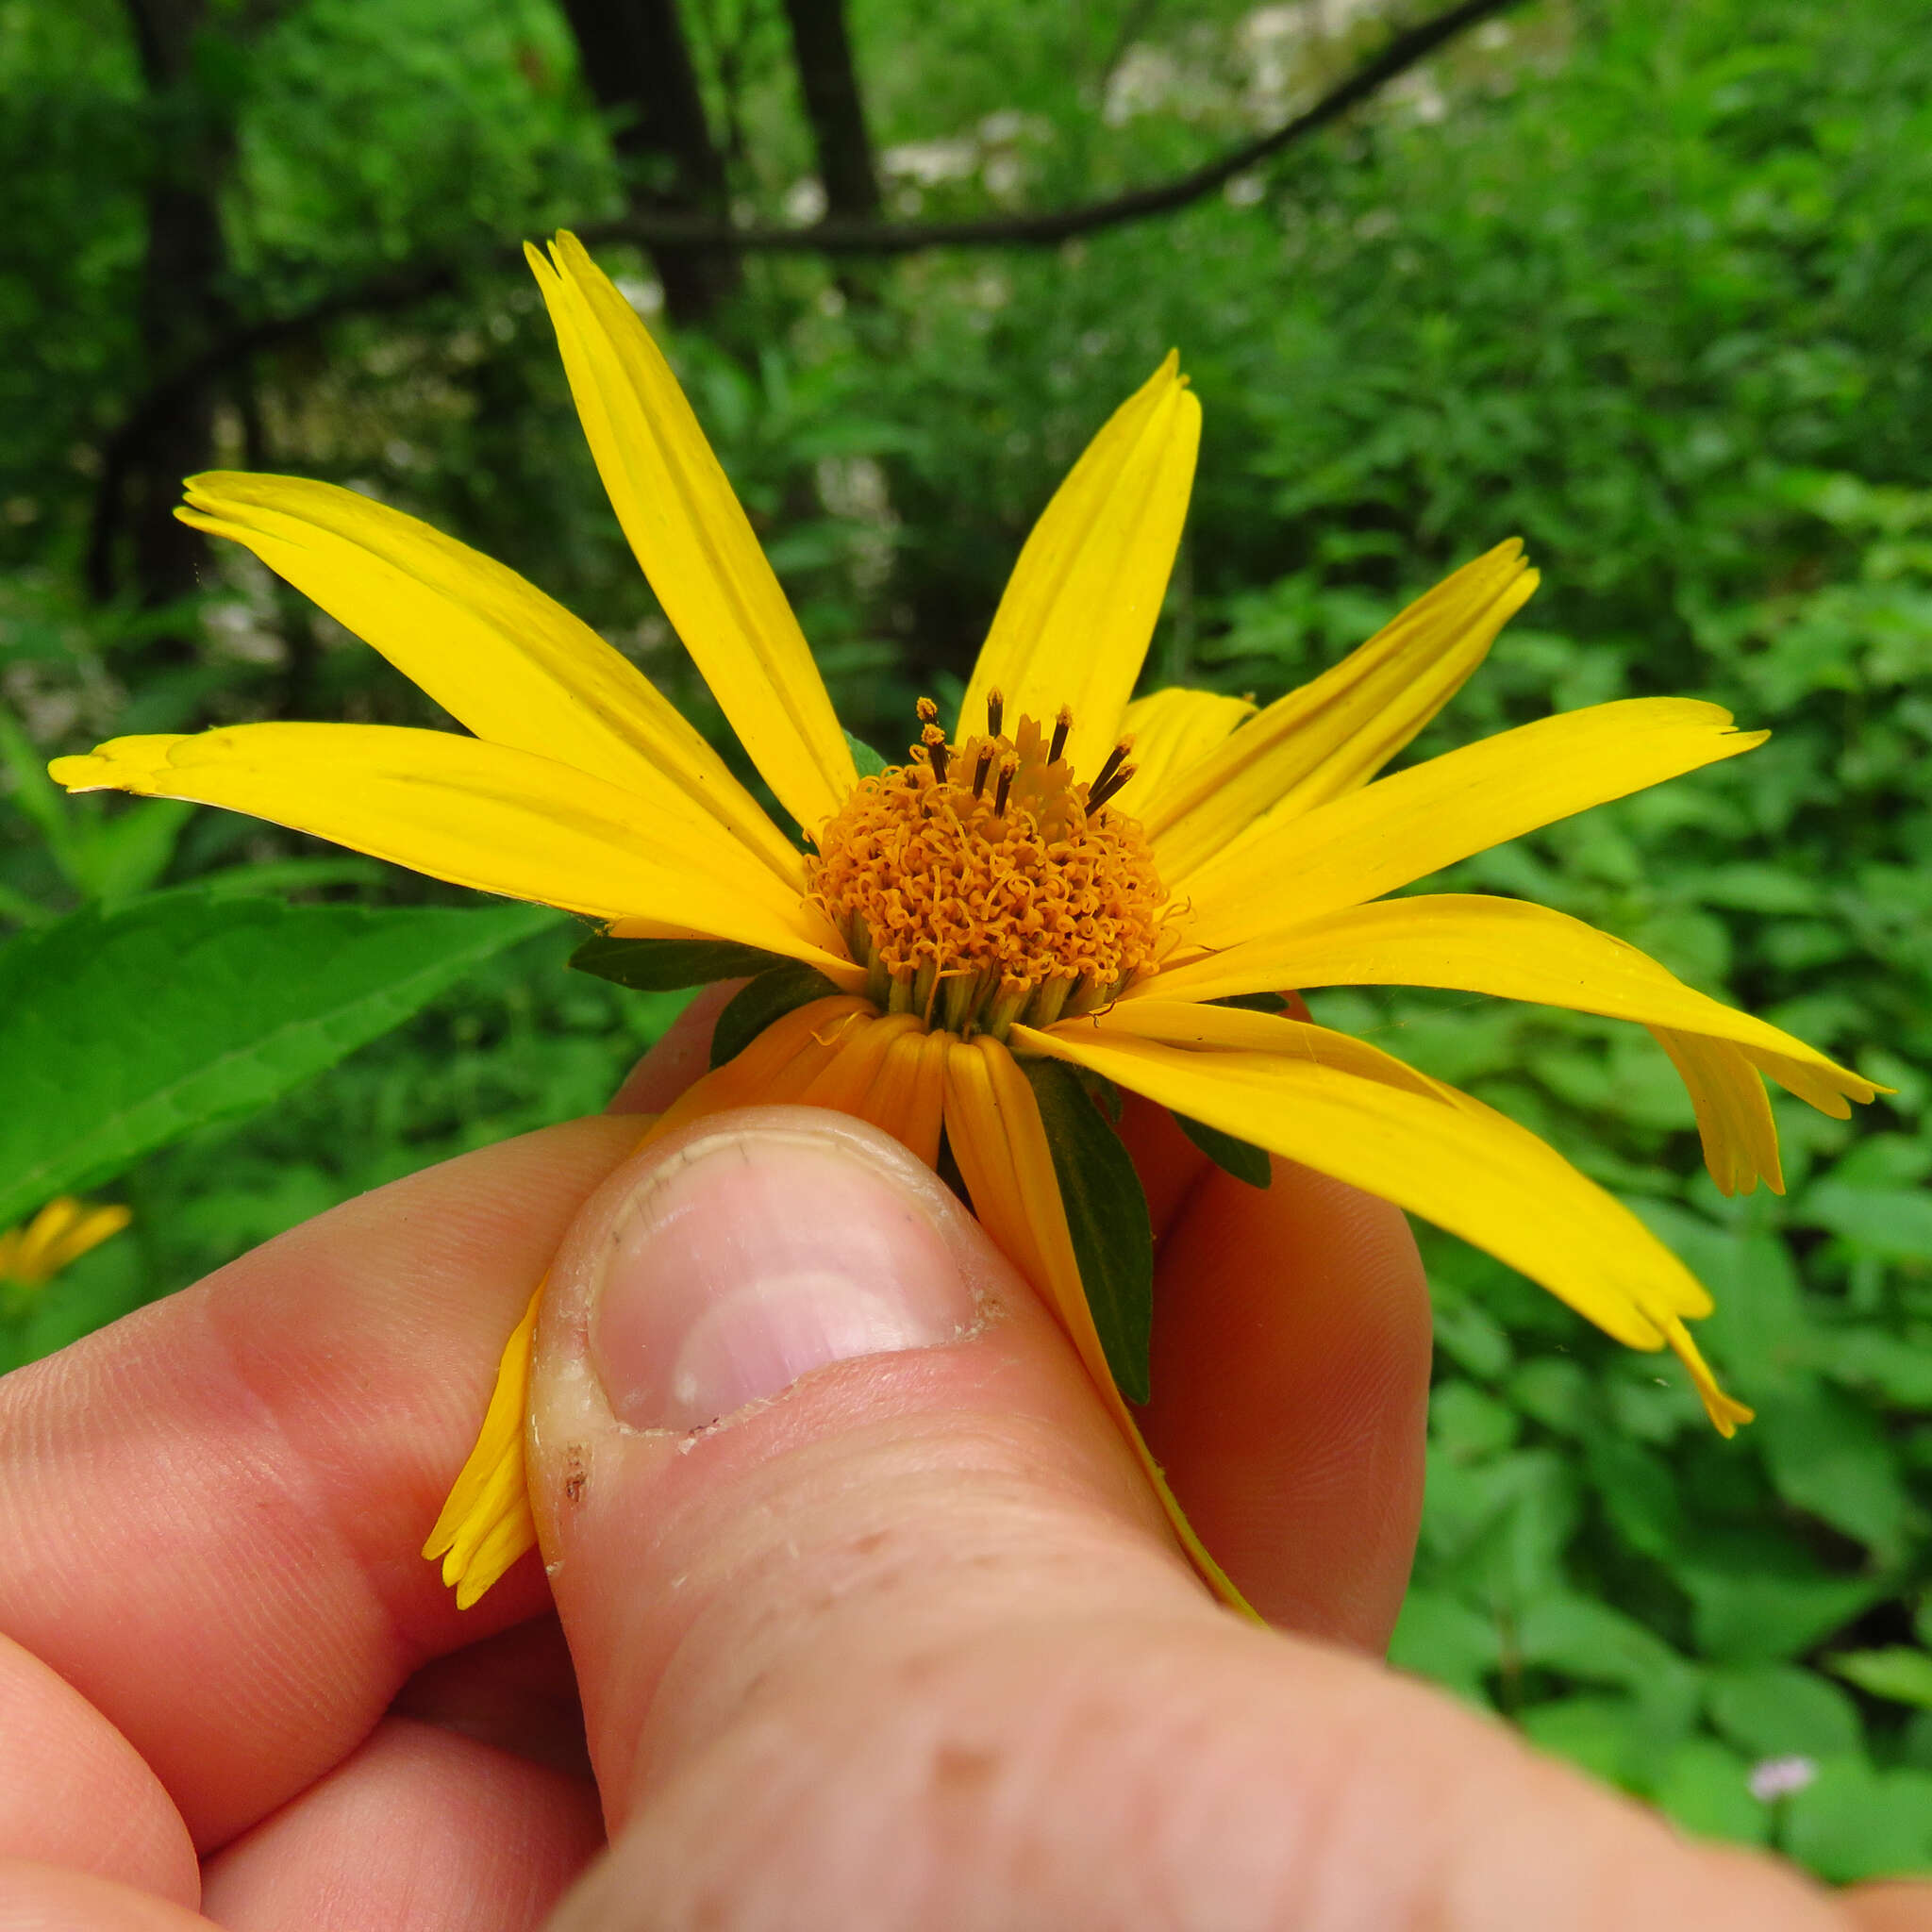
(903, 1641)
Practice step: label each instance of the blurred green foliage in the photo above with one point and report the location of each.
(1650, 287)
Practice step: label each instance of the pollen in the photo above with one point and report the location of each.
(982, 884)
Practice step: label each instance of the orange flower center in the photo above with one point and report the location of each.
(982, 885)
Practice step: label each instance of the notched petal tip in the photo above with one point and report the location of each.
(1725, 1411)
(81, 772)
(486, 1524)
(120, 764)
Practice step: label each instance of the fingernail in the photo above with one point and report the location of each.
(751, 1259)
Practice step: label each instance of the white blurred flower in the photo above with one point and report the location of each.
(1778, 1777)
(805, 202)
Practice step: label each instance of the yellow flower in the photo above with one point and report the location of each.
(56, 1236)
(1070, 875)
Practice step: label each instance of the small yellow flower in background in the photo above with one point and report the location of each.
(1065, 874)
(58, 1236)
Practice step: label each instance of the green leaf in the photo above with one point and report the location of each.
(1242, 1158)
(1891, 1222)
(1440, 1638)
(1107, 1213)
(99, 1288)
(1638, 1491)
(1704, 1788)
(1775, 1710)
(119, 856)
(35, 793)
(772, 994)
(1601, 1734)
(1750, 1617)
(120, 1032)
(665, 965)
(1856, 1822)
(272, 877)
(1468, 1426)
(1104, 1092)
(1467, 1333)
(1828, 1455)
(1589, 1641)
(869, 762)
(1900, 1674)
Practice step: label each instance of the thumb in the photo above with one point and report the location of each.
(877, 1625)
(708, 1516)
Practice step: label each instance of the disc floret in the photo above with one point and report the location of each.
(981, 884)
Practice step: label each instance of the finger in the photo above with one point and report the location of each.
(74, 1792)
(1291, 1376)
(1291, 1367)
(682, 1055)
(900, 1632)
(418, 1830)
(515, 1692)
(212, 1510)
(55, 1898)
(1891, 1908)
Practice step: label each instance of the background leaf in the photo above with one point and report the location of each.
(121, 1031)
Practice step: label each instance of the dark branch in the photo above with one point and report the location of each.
(404, 287)
(1406, 50)
(830, 83)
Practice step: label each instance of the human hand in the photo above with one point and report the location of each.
(905, 1644)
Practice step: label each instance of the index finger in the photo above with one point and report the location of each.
(213, 1510)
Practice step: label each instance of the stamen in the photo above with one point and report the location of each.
(995, 712)
(1009, 766)
(927, 712)
(985, 766)
(937, 749)
(1099, 794)
(1061, 725)
(1103, 778)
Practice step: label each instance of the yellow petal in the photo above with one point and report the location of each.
(31, 1250)
(993, 1127)
(1506, 947)
(1337, 732)
(1444, 1157)
(845, 1082)
(87, 1231)
(482, 815)
(1370, 841)
(1821, 1086)
(1074, 623)
(891, 1074)
(58, 1236)
(691, 535)
(1734, 1121)
(505, 660)
(776, 1068)
(1173, 730)
(1236, 1030)
(486, 1522)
